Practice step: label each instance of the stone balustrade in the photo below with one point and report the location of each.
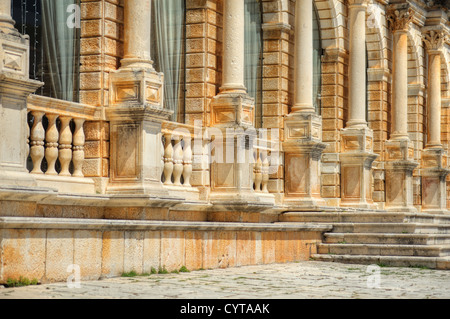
(56, 137)
(177, 154)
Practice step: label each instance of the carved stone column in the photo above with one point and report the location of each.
(399, 149)
(357, 139)
(303, 145)
(15, 87)
(434, 157)
(135, 110)
(232, 117)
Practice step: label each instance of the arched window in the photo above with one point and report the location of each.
(253, 55)
(54, 44)
(317, 47)
(168, 51)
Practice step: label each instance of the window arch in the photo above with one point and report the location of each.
(254, 55)
(54, 45)
(168, 51)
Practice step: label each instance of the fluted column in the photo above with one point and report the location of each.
(399, 149)
(357, 63)
(137, 34)
(303, 57)
(434, 157)
(233, 49)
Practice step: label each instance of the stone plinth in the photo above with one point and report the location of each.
(135, 116)
(232, 161)
(434, 172)
(356, 159)
(399, 181)
(303, 149)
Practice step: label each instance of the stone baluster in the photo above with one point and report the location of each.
(187, 161)
(51, 147)
(177, 161)
(168, 159)
(258, 172)
(78, 147)
(265, 172)
(37, 142)
(65, 146)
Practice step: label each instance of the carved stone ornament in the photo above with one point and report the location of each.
(400, 18)
(434, 39)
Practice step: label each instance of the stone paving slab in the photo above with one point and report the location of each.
(304, 280)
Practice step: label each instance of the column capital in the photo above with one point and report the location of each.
(434, 40)
(399, 17)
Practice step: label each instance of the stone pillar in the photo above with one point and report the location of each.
(15, 87)
(399, 149)
(233, 49)
(6, 22)
(434, 157)
(303, 145)
(135, 111)
(357, 139)
(232, 117)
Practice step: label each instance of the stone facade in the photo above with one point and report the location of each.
(135, 190)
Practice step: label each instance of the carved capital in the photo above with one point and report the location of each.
(434, 39)
(399, 17)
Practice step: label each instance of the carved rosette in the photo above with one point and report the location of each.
(434, 40)
(399, 18)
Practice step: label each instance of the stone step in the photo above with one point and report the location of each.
(392, 261)
(364, 217)
(398, 239)
(405, 228)
(385, 250)
(351, 217)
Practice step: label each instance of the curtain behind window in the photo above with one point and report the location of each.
(317, 60)
(60, 47)
(168, 20)
(253, 54)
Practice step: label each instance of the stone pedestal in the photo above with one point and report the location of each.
(356, 159)
(399, 180)
(303, 149)
(15, 87)
(232, 157)
(434, 174)
(135, 114)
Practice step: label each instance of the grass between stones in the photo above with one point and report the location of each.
(153, 271)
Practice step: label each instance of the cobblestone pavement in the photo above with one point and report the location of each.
(281, 281)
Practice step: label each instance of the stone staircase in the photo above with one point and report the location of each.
(391, 239)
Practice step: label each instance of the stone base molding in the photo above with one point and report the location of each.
(303, 149)
(49, 249)
(399, 175)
